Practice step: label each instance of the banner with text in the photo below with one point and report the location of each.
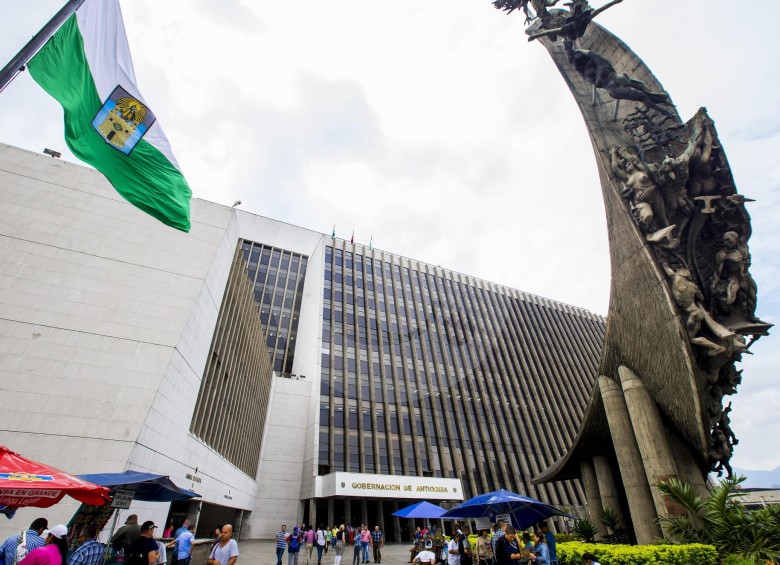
(389, 486)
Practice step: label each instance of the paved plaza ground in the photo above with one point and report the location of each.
(264, 553)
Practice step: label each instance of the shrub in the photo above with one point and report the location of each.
(585, 530)
(737, 560)
(571, 554)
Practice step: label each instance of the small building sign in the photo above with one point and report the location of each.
(122, 498)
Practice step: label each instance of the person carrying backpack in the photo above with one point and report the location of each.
(23, 542)
(464, 547)
(294, 541)
(144, 550)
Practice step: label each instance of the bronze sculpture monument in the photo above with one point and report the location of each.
(682, 301)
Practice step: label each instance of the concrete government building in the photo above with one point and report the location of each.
(280, 373)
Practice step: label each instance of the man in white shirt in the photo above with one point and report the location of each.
(226, 551)
(453, 555)
(426, 556)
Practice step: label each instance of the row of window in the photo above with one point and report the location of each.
(277, 276)
(457, 362)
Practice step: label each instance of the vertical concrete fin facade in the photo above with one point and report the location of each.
(591, 486)
(233, 399)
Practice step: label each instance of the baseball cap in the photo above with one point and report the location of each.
(59, 531)
(148, 525)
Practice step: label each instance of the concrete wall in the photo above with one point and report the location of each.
(282, 457)
(106, 319)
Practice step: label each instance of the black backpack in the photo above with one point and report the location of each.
(136, 554)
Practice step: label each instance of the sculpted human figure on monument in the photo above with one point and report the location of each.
(688, 296)
(598, 71)
(575, 24)
(641, 189)
(732, 285)
(539, 7)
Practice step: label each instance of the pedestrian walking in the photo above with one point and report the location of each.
(365, 541)
(308, 540)
(341, 535)
(321, 543)
(294, 541)
(377, 542)
(358, 549)
(226, 551)
(281, 544)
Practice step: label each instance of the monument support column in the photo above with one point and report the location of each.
(592, 495)
(640, 499)
(608, 489)
(651, 438)
(330, 514)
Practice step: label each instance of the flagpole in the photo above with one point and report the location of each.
(17, 64)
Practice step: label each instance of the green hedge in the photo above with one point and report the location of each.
(570, 553)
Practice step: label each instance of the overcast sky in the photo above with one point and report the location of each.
(437, 129)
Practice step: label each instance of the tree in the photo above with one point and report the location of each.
(721, 520)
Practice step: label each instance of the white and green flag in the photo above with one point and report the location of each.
(86, 67)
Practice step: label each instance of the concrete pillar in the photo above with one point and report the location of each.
(651, 438)
(592, 495)
(313, 512)
(380, 515)
(331, 519)
(364, 511)
(348, 511)
(238, 522)
(396, 523)
(193, 512)
(608, 488)
(632, 472)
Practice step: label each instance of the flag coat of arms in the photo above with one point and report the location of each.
(86, 67)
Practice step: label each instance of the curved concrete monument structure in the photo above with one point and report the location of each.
(682, 302)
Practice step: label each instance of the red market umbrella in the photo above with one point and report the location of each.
(28, 483)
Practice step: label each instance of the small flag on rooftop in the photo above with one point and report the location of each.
(86, 67)
(333, 233)
(352, 239)
(371, 243)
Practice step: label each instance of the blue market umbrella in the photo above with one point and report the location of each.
(420, 510)
(146, 486)
(523, 510)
